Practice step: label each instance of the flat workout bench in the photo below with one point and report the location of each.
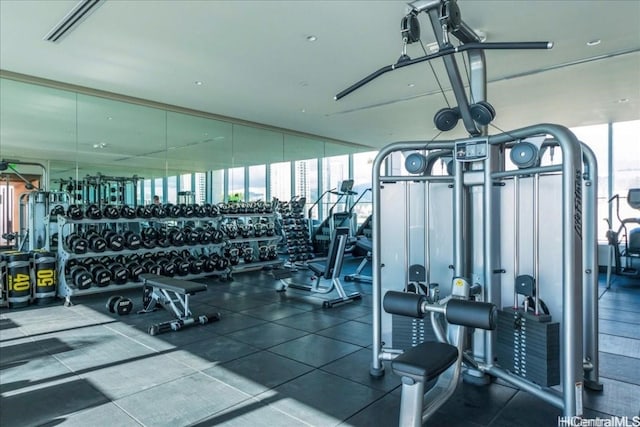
(162, 291)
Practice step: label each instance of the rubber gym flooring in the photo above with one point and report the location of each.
(273, 360)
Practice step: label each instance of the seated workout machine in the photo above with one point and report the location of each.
(161, 291)
(433, 360)
(624, 242)
(328, 272)
(364, 244)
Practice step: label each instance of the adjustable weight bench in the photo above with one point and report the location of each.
(330, 272)
(165, 292)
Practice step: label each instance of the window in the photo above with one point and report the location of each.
(172, 190)
(201, 185)
(257, 183)
(362, 173)
(185, 182)
(236, 185)
(280, 180)
(217, 186)
(334, 171)
(626, 164)
(306, 183)
(158, 189)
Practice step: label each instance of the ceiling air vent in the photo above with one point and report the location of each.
(74, 18)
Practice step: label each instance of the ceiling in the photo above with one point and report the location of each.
(257, 65)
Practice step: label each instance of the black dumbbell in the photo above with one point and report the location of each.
(127, 212)
(173, 211)
(77, 244)
(132, 240)
(75, 212)
(119, 305)
(57, 210)
(222, 263)
(207, 265)
(93, 212)
(158, 211)
(115, 241)
(182, 266)
(96, 242)
(135, 270)
(176, 236)
(119, 273)
(193, 236)
(80, 277)
(111, 212)
(101, 275)
(149, 266)
(167, 267)
(144, 212)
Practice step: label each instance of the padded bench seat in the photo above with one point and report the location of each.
(364, 243)
(425, 361)
(181, 287)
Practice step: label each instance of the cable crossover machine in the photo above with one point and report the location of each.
(489, 270)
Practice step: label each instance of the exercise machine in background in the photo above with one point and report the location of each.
(624, 243)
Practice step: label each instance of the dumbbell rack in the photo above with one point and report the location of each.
(254, 242)
(67, 290)
(296, 231)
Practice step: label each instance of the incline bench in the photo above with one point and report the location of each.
(329, 272)
(169, 292)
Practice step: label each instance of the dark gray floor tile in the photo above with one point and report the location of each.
(619, 345)
(251, 412)
(267, 335)
(349, 310)
(314, 350)
(212, 351)
(25, 349)
(181, 402)
(312, 321)
(382, 412)
(149, 372)
(258, 372)
(49, 401)
(526, 410)
(621, 368)
(355, 367)
(352, 332)
(471, 403)
(27, 373)
(367, 318)
(233, 322)
(234, 302)
(620, 329)
(273, 311)
(617, 398)
(320, 398)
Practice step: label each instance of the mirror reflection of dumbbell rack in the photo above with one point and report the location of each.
(296, 230)
(252, 242)
(101, 255)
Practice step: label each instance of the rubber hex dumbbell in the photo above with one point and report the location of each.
(80, 277)
(111, 212)
(115, 241)
(96, 242)
(182, 266)
(127, 212)
(119, 273)
(132, 240)
(75, 212)
(149, 266)
(77, 244)
(93, 212)
(101, 275)
(167, 267)
(119, 305)
(135, 270)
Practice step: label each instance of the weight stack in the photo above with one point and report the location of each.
(408, 332)
(529, 346)
(44, 274)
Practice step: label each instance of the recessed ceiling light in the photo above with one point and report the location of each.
(198, 83)
(311, 38)
(594, 42)
(109, 118)
(303, 110)
(411, 84)
(623, 100)
(100, 145)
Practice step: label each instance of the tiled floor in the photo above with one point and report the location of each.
(273, 360)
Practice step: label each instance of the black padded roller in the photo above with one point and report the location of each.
(404, 303)
(474, 314)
